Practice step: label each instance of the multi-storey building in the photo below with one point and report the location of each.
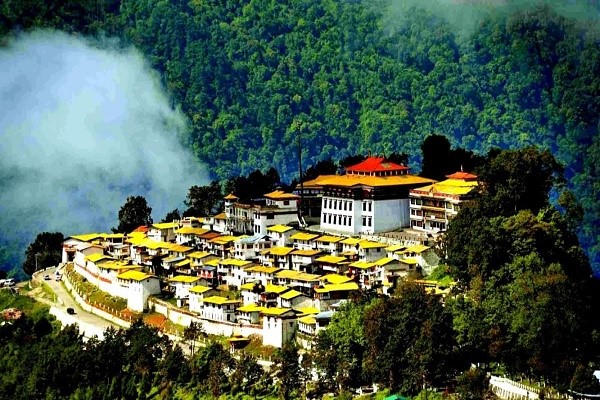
(433, 206)
(371, 197)
(278, 208)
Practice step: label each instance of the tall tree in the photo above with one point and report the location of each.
(44, 252)
(287, 370)
(203, 200)
(134, 213)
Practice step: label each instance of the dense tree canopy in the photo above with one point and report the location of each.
(44, 252)
(353, 77)
(134, 213)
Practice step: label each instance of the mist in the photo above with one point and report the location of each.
(464, 16)
(83, 125)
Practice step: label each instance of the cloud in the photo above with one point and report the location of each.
(83, 125)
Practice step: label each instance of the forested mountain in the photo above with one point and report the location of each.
(350, 77)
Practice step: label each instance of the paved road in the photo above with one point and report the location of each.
(89, 324)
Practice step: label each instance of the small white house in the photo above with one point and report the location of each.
(182, 285)
(219, 308)
(280, 234)
(279, 325)
(249, 314)
(249, 248)
(197, 294)
(140, 286)
(163, 232)
(304, 241)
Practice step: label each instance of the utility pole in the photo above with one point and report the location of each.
(299, 140)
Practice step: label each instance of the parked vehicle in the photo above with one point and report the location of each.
(70, 311)
(9, 282)
(57, 277)
(46, 277)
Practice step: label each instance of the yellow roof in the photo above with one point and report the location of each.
(280, 251)
(291, 294)
(275, 310)
(116, 265)
(362, 264)
(308, 320)
(350, 180)
(395, 247)
(250, 308)
(112, 235)
(337, 287)
(279, 228)
(297, 275)
(234, 262)
(306, 253)
(153, 244)
(335, 278)
(270, 288)
(87, 237)
(200, 289)
(223, 239)
(304, 236)
(231, 196)
(308, 310)
(331, 259)
(212, 263)
(137, 235)
(219, 300)
(409, 260)
(383, 261)
(352, 241)
(329, 239)
(263, 269)
(418, 248)
(452, 187)
(180, 248)
(185, 279)
(371, 245)
(97, 257)
(281, 195)
(247, 286)
(199, 254)
(165, 225)
(133, 275)
(188, 230)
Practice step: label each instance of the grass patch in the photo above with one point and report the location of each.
(33, 309)
(256, 348)
(93, 294)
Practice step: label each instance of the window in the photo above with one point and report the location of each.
(344, 220)
(370, 205)
(364, 206)
(329, 219)
(334, 219)
(339, 204)
(270, 216)
(350, 206)
(368, 221)
(345, 205)
(349, 221)
(364, 222)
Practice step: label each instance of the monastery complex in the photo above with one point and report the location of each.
(260, 268)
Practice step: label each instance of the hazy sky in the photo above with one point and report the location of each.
(82, 127)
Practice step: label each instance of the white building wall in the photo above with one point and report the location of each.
(277, 331)
(340, 215)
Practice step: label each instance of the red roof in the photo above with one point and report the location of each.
(142, 228)
(376, 164)
(462, 175)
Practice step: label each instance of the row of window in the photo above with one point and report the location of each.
(335, 219)
(332, 204)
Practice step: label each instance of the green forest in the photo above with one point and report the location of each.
(524, 306)
(352, 77)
